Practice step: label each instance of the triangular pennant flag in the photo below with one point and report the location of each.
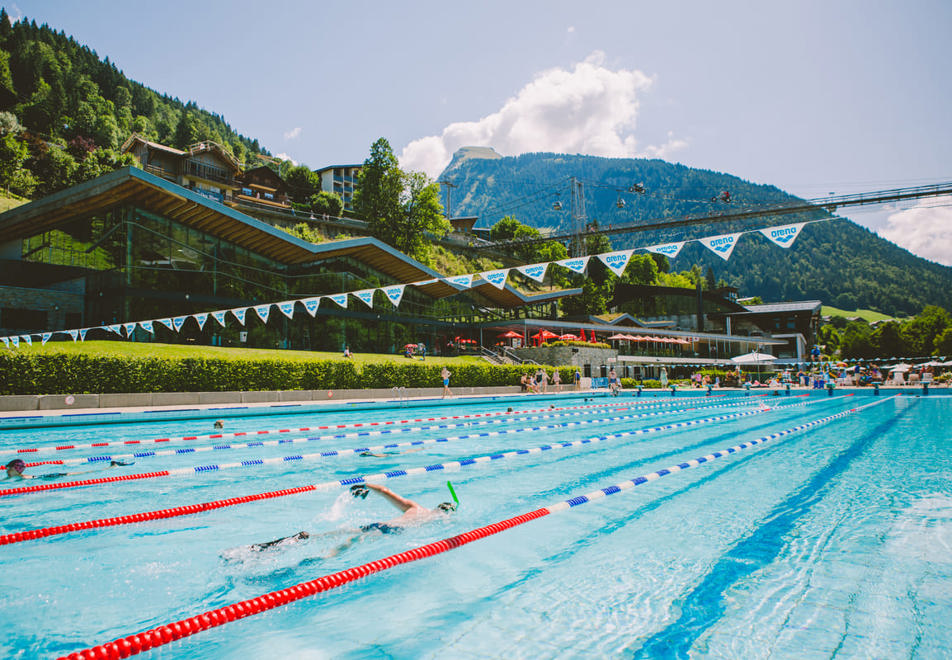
(166, 322)
(616, 261)
(147, 326)
(73, 333)
(239, 313)
(340, 299)
(394, 293)
(15, 341)
(311, 305)
(669, 250)
(46, 337)
(201, 319)
(721, 245)
(535, 271)
(464, 281)
(263, 311)
(28, 339)
(129, 328)
(6, 341)
(287, 308)
(425, 282)
(366, 296)
(783, 236)
(115, 328)
(576, 265)
(82, 333)
(220, 317)
(496, 277)
(178, 322)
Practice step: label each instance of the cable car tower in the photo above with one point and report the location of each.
(578, 219)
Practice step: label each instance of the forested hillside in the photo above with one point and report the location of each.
(837, 261)
(64, 112)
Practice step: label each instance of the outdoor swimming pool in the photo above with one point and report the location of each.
(832, 539)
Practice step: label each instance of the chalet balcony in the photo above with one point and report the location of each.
(159, 171)
(200, 170)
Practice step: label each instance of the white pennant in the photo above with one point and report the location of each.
(200, 319)
(239, 313)
(394, 293)
(365, 296)
(220, 317)
(15, 341)
(722, 245)
(669, 250)
(340, 299)
(616, 261)
(496, 277)
(178, 322)
(73, 333)
(535, 271)
(311, 305)
(82, 333)
(46, 337)
(287, 308)
(576, 265)
(130, 328)
(783, 236)
(166, 322)
(6, 341)
(464, 281)
(263, 312)
(28, 339)
(145, 325)
(115, 328)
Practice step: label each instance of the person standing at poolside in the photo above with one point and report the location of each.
(664, 377)
(557, 380)
(578, 380)
(445, 375)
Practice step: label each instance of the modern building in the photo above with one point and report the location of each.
(340, 179)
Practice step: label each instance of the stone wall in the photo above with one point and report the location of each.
(561, 356)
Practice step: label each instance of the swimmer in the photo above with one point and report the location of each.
(764, 407)
(16, 467)
(391, 453)
(413, 514)
(219, 423)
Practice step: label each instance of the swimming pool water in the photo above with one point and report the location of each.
(833, 540)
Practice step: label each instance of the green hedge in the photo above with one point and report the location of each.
(23, 373)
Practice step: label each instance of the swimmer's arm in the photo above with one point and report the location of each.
(401, 503)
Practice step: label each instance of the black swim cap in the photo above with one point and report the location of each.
(446, 506)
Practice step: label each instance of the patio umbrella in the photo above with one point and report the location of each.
(753, 358)
(512, 334)
(618, 336)
(568, 337)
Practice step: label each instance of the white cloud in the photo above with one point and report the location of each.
(571, 29)
(284, 156)
(587, 110)
(925, 229)
(293, 133)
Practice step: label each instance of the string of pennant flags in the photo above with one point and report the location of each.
(722, 245)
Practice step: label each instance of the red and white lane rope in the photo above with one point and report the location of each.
(165, 634)
(258, 462)
(17, 537)
(241, 434)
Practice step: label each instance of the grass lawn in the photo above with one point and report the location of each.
(867, 315)
(144, 350)
(7, 203)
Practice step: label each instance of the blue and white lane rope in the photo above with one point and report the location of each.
(104, 458)
(239, 434)
(657, 474)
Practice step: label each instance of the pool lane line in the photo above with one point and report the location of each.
(238, 434)
(105, 458)
(165, 634)
(215, 467)
(17, 537)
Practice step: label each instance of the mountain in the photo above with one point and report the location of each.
(836, 261)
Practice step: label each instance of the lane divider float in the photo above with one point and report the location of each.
(165, 634)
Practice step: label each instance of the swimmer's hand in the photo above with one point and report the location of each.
(359, 490)
(52, 475)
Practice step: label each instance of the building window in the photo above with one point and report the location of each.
(15, 318)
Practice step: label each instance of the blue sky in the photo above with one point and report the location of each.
(813, 97)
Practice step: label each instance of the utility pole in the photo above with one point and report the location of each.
(578, 218)
(449, 190)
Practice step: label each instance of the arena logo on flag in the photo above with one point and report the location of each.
(75, 333)
(239, 313)
(365, 296)
(340, 299)
(46, 337)
(616, 261)
(82, 333)
(783, 236)
(15, 341)
(115, 328)
(178, 322)
(668, 249)
(496, 277)
(28, 339)
(220, 317)
(574, 265)
(201, 319)
(167, 323)
(722, 245)
(535, 271)
(311, 305)
(464, 281)
(287, 308)
(130, 328)
(394, 294)
(263, 312)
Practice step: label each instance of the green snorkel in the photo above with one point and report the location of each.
(453, 493)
